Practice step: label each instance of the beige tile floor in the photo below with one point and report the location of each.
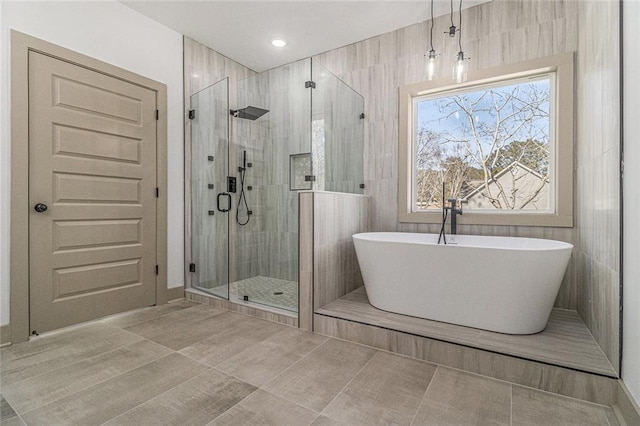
(188, 364)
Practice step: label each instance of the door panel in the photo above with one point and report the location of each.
(77, 189)
(92, 160)
(74, 235)
(209, 171)
(71, 282)
(72, 142)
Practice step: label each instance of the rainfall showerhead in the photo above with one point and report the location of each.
(250, 112)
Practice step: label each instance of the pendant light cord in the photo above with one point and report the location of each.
(451, 14)
(460, 26)
(431, 32)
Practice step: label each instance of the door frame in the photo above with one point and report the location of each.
(21, 45)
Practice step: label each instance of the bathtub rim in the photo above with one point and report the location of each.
(554, 245)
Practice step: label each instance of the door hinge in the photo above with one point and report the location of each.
(192, 114)
(310, 83)
(157, 114)
(192, 267)
(362, 116)
(157, 269)
(157, 192)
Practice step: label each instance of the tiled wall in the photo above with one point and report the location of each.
(202, 68)
(328, 265)
(597, 206)
(496, 33)
(268, 245)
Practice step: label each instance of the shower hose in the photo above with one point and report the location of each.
(242, 200)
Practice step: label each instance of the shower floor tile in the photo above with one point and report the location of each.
(274, 292)
(273, 375)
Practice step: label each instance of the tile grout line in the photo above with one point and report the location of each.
(100, 321)
(292, 365)
(471, 372)
(159, 395)
(142, 338)
(263, 341)
(559, 395)
(96, 384)
(209, 368)
(198, 341)
(257, 388)
(424, 397)
(511, 404)
(233, 406)
(236, 377)
(225, 331)
(349, 382)
(107, 320)
(81, 360)
(53, 333)
(21, 419)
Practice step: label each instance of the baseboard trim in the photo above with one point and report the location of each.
(5, 334)
(626, 407)
(175, 293)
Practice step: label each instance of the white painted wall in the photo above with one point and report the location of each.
(113, 33)
(631, 237)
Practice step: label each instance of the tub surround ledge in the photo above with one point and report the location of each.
(559, 380)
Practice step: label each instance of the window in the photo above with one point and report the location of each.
(502, 143)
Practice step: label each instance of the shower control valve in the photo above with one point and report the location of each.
(231, 184)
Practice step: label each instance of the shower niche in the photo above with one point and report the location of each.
(290, 129)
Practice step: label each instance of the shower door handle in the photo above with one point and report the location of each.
(220, 195)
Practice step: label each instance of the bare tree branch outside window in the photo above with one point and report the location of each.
(490, 145)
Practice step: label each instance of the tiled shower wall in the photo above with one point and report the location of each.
(497, 33)
(202, 68)
(597, 252)
(268, 244)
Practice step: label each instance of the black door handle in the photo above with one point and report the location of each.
(221, 194)
(40, 207)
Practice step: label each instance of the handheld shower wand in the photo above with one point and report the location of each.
(243, 197)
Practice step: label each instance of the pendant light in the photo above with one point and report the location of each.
(432, 55)
(459, 66)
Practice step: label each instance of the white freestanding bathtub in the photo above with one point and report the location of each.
(502, 284)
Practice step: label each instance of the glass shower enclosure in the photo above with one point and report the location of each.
(295, 128)
(210, 202)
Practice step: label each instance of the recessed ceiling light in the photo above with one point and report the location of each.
(195, 75)
(278, 42)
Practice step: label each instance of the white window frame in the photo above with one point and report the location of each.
(561, 133)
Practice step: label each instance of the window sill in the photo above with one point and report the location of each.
(493, 219)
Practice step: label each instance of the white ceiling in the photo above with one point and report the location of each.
(243, 30)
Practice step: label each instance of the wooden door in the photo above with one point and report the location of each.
(92, 163)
